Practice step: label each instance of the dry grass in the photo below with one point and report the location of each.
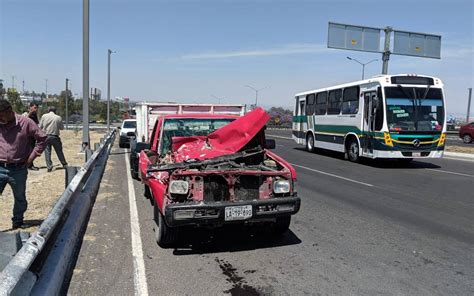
(43, 189)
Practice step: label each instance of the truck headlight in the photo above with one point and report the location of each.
(281, 186)
(179, 187)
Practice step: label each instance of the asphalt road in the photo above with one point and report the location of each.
(363, 229)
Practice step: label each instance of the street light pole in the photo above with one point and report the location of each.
(85, 75)
(46, 89)
(67, 104)
(363, 64)
(256, 92)
(218, 99)
(109, 53)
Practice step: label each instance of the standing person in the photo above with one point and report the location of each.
(16, 154)
(51, 125)
(32, 113)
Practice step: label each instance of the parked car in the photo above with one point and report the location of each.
(127, 131)
(207, 170)
(466, 132)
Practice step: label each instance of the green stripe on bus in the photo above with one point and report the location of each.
(299, 118)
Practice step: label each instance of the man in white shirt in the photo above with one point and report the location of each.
(51, 125)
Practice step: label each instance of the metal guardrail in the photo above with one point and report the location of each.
(15, 278)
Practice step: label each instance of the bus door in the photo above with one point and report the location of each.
(368, 123)
(301, 129)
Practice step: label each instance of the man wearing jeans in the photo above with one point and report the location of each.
(51, 125)
(16, 154)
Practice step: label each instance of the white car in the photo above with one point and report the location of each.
(127, 130)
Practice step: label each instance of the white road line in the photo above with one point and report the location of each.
(331, 175)
(449, 172)
(275, 136)
(139, 275)
(460, 159)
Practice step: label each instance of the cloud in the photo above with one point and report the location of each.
(307, 48)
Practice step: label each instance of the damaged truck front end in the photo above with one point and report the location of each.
(243, 187)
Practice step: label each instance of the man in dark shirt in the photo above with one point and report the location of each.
(16, 154)
(32, 113)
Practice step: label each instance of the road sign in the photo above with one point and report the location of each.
(417, 44)
(352, 37)
(362, 38)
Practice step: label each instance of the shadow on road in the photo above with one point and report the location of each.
(230, 239)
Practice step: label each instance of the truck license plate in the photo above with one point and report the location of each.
(238, 213)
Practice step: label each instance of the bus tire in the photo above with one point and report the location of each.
(353, 150)
(310, 143)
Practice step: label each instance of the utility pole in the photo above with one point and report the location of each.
(109, 53)
(67, 104)
(23, 87)
(13, 81)
(85, 75)
(469, 105)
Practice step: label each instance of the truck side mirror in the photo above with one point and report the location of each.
(270, 144)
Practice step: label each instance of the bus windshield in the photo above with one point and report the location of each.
(414, 108)
(188, 127)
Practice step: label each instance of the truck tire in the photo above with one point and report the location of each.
(164, 235)
(282, 225)
(147, 192)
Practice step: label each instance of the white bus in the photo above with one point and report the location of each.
(387, 116)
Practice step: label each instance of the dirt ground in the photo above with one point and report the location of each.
(43, 189)
(461, 149)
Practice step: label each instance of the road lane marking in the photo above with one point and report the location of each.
(449, 172)
(275, 136)
(331, 175)
(139, 275)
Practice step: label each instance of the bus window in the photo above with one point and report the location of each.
(350, 100)
(334, 102)
(310, 104)
(321, 102)
(302, 108)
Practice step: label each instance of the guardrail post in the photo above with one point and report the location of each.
(71, 171)
(96, 146)
(88, 154)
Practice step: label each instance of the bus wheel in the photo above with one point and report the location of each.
(310, 143)
(353, 151)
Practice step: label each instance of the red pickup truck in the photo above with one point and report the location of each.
(207, 170)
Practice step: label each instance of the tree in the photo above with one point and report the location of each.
(15, 101)
(62, 103)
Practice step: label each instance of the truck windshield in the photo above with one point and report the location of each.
(414, 108)
(188, 127)
(129, 124)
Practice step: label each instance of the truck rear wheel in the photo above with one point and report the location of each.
(164, 235)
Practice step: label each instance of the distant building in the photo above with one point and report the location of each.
(95, 93)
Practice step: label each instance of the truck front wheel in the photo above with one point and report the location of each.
(164, 235)
(282, 225)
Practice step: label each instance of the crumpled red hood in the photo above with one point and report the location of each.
(228, 139)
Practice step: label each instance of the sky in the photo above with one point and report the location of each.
(207, 51)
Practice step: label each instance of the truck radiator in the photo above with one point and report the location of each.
(247, 187)
(215, 189)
